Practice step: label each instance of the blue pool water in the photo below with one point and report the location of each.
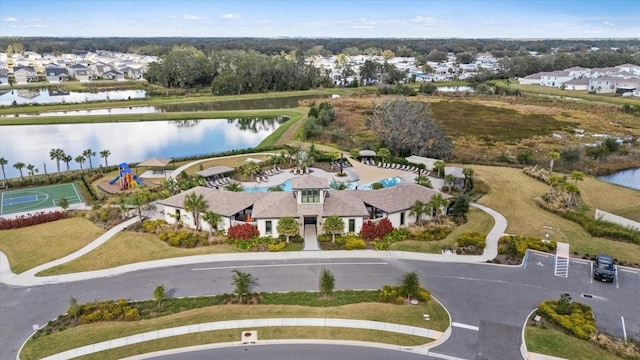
(286, 186)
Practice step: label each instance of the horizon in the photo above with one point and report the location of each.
(314, 19)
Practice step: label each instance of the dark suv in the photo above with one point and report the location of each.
(603, 268)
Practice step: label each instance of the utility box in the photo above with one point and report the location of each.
(249, 337)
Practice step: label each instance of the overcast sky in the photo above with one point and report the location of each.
(301, 18)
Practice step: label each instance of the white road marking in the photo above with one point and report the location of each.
(581, 261)
(591, 273)
(288, 265)
(443, 356)
(629, 271)
(617, 277)
(465, 326)
(542, 255)
(624, 329)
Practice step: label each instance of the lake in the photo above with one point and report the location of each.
(47, 96)
(629, 178)
(129, 142)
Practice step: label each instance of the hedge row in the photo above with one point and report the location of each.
(31, 219)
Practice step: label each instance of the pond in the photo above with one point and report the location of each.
(50, 96)
(455, 88)
(629, 178)
(129, 142)
(248, 104)
(286, 186)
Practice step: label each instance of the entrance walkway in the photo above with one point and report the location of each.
(562, 260)
(310, 238)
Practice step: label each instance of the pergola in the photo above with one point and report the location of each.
(155, 163)
(215, 170)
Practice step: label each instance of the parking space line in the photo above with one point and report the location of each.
(591, 273)
(629, 271)
(580, 261)
(624, 329)
(443, 356)
(617, 275)
(465, 326)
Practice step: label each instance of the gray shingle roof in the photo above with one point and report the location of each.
(309, 182)
(225, 203)
(215, 170)
(396, 198)
(275, 205)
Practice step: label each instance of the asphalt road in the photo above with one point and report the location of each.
(488, 303)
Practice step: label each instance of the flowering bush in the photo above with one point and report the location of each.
(243, 232)
(374, 231)
(31, 219)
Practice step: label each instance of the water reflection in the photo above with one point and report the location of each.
(128, 142)
(629, 178)
(185, 123)
(256, 124)
(46, 96)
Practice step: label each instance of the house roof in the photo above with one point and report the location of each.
(455, 171)
(309, 182)
(275, 204)
(24, 68)
(533, 76)
(396, 198)
(215, 170)
(580, 81)
(225, 203)
(155, 162)
(56, 72)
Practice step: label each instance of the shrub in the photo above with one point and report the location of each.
(516, 246)
(375, 231)
(184, 239)
(325, 237)
(432, 234)
(574, 317)
(31, 219)
(472, 239)
(107, 311)
(153, 225)
(277, 247)
(243, 232)
(352, 244)
(393, 294)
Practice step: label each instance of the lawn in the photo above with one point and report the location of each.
(555, 342)
(129, 247)
(512, 193)
(477, 220)
(616, 199)
(29, 247)
(399, 314)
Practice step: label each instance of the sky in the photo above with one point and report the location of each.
(532, 19)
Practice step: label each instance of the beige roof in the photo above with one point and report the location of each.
(397, 198)
(215, 170)
(155, 162)
(309, 182)
(367, 153)
(275, 205)
(225, 203)
(455, 171)
(343, 203)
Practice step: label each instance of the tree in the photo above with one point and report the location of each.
(74, 308)
(410, 284)
(139, 199)
(552, 156)
(334, 225)
(384, 153)
(195, 204)
(418, 209)
(553, 180)
(576, 176)
(327, 282)
(439, 166)
(234, 186)
(242, 282)
(31, 170)
(424, 181)
(573, 192)
(460, 206)
(88, 154)
(449, 179)
(3, 162)
(63, 202)
(212, 219)
(67, 159)
(19, 166)
(438, 203)
(288, 226)
(105, 154)
(80, 159)
(468, 177)
(408, 127)
(159, 294)
(57, 155)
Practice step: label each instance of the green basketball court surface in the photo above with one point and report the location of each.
(34, 199)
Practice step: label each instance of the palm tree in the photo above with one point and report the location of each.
(438, 203)
(212, 219)
(67, 159)
(3, 162)
(19, 166)
(573, 192)
(139, 199)
(57, 155)
(80, 159)
(450, 179)
(171, 185)
(105, 154)
(423, 181)
(554, 180)
(418, 209)
(468, 176)
(88, 154)
(438, 166)
(576, 176)
(552, 156)
(234, 186)
(195, 204)
(334, 225)
(31, 168)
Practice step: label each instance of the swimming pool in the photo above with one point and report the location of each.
(286, 186)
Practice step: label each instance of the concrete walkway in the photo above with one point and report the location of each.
(247, 325)
(28, 278)
(310, 238)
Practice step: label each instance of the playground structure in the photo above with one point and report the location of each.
(126, 178)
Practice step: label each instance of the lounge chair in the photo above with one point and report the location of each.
(265, 178)
(258, 179)
(278, 168)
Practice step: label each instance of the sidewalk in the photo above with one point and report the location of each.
(28, 278)
(248, 325)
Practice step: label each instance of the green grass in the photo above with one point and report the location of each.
(464, 119)
(399, 314)
(274, 137)
(554, 342)
(31, 246)
(477, 220)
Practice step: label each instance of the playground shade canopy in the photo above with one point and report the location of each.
(215, 170)
(367, 153)
(155, 162)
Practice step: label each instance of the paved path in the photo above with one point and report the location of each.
(310, 238)
(247, 324)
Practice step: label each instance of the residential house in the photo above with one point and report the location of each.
(600, 72)
(76, 67)
(554, 78)
(457, 173)
(82, 75)
(55, 75)
(24, 74)
(577, 84)
(578, 72)
(113, 75)
(533, 79)
(627, 85)
(604, 84)
(310, 202)
(631, 68)
(4, 77)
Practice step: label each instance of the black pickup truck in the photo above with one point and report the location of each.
(603, 269)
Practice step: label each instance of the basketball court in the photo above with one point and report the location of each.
(34, 199)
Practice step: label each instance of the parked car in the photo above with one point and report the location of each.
(603, 268)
